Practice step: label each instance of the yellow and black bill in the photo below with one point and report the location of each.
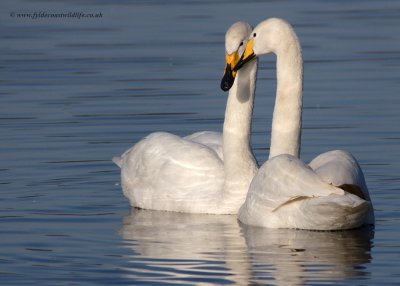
(229, 74)
(248, 56)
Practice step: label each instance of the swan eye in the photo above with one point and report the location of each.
(241, 44)
(254, 35)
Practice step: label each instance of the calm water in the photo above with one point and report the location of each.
(76, 92)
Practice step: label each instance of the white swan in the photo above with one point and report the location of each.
(331, 193)
(196, 174)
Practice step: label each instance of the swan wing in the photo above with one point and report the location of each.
(340, 168)
(211, 139)
(166, 172)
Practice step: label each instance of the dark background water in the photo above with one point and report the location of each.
(76, 92)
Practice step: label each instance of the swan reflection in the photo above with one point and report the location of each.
(299, 256)
(180, 247)
(177, 247)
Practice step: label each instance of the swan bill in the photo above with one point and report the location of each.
(247, 56)
(228, 79)
(229, 74)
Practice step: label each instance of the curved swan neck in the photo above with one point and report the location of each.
(286, 123)
(239, 162)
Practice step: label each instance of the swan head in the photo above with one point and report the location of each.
(235, 40)
(269, 36)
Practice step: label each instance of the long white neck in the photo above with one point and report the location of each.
(239, 163)
(286, 122)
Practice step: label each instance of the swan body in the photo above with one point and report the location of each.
(286, 193)
(330, 193)
(306, 201)
(166, 172)
(206, 172)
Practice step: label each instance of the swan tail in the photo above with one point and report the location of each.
(117, 160)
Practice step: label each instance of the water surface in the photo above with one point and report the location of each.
(76, 92)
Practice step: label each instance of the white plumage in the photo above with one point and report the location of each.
(206, 172)
(166, 172)
(331, 192)
(286, 193)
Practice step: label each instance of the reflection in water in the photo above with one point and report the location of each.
(299, 256)
(185, 247)
(180, 247)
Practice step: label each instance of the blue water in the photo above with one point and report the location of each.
(76, 92)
